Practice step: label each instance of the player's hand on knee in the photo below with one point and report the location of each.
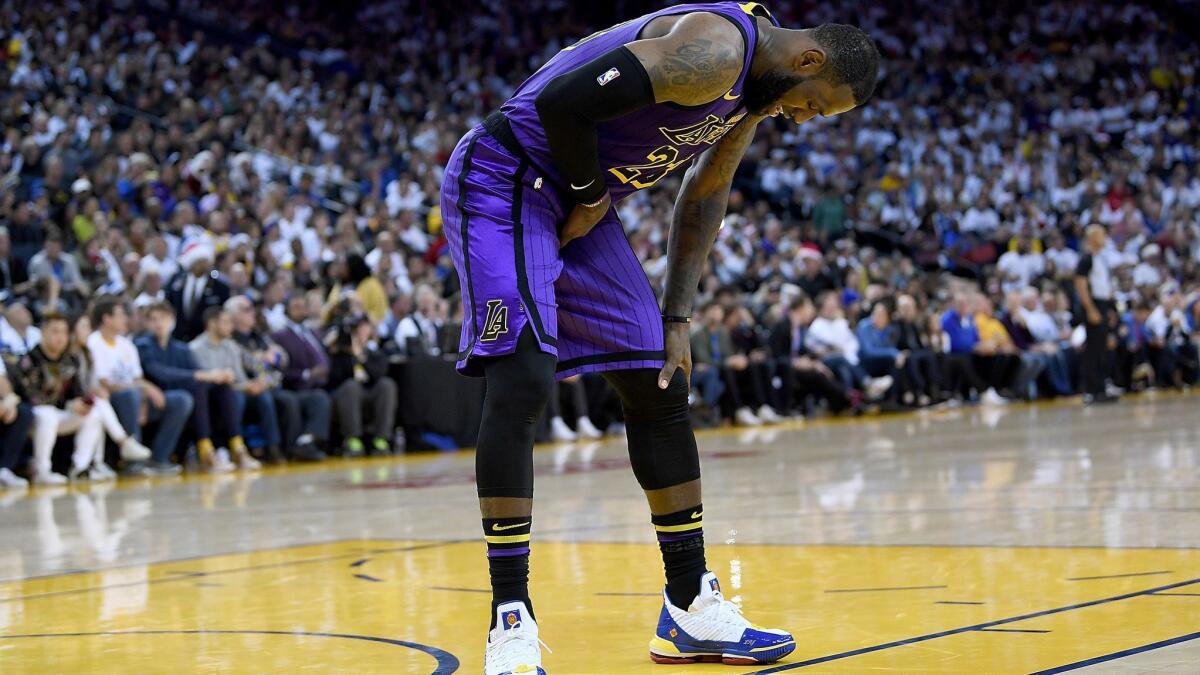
(679, 353)
(583, 218)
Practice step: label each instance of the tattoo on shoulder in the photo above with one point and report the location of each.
(695, 70)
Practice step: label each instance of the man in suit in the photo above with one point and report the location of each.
(800, 372)
(196, 287)
(305, 370)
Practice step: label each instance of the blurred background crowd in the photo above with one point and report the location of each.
(236, 203)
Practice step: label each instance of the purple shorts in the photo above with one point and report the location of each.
(589, 304)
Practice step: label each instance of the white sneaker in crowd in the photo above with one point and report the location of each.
(586, 429)
(559, 431)
(768, 415)
(745, 417)
(49, 478)
(132, 451)
(878, 386)
(102, 472)
(245, 462)
(8, 479)
(221, 463)
(992, 397)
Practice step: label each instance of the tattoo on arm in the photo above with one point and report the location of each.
(694, 63)
(697, 68)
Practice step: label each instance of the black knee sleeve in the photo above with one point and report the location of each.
(662, 447)
(518, 386)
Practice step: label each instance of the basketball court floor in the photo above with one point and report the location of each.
(1026, 539)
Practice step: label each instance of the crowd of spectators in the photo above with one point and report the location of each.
(236, 204)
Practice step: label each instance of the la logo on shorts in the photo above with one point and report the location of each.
(496, 323)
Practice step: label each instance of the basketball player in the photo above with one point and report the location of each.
(551, 286)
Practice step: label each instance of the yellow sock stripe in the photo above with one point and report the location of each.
(506, 539)
(679, 528)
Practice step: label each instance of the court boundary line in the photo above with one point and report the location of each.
(189, 558)
(966, 629)
(1118, 655)
(447, 663)
(423, 543)
(232, 570)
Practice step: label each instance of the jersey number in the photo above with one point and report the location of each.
(661, 161)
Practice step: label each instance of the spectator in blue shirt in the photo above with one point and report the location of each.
(963, 335)
(168, 363)
(959, 325)
(878, 338)
(1133, 368)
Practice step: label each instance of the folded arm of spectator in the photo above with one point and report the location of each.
(874, 343)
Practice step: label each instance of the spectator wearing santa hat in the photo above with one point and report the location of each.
(815, 279)
(197, 287)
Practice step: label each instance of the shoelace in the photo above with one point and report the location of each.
(511, 635)
(729, 613)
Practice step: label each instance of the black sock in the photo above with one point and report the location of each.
(508, 561)
(681, 540)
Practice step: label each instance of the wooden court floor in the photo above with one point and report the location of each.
(1026, 539)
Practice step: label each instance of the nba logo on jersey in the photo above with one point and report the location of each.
(714, 585)
(608, 76)
(512, 618)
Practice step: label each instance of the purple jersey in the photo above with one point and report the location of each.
(639, 149)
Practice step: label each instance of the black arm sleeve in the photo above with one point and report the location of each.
(570, 106)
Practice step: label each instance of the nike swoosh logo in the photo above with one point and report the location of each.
(584, 186)
(730, 96)
(496, 527)
(696, 515)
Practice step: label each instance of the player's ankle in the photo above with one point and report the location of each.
(498, 600)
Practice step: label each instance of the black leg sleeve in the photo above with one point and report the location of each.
(518, 387)
(662, 447)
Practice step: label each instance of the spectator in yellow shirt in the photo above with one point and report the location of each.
(997, 358)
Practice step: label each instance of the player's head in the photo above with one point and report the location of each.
(825, 71)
